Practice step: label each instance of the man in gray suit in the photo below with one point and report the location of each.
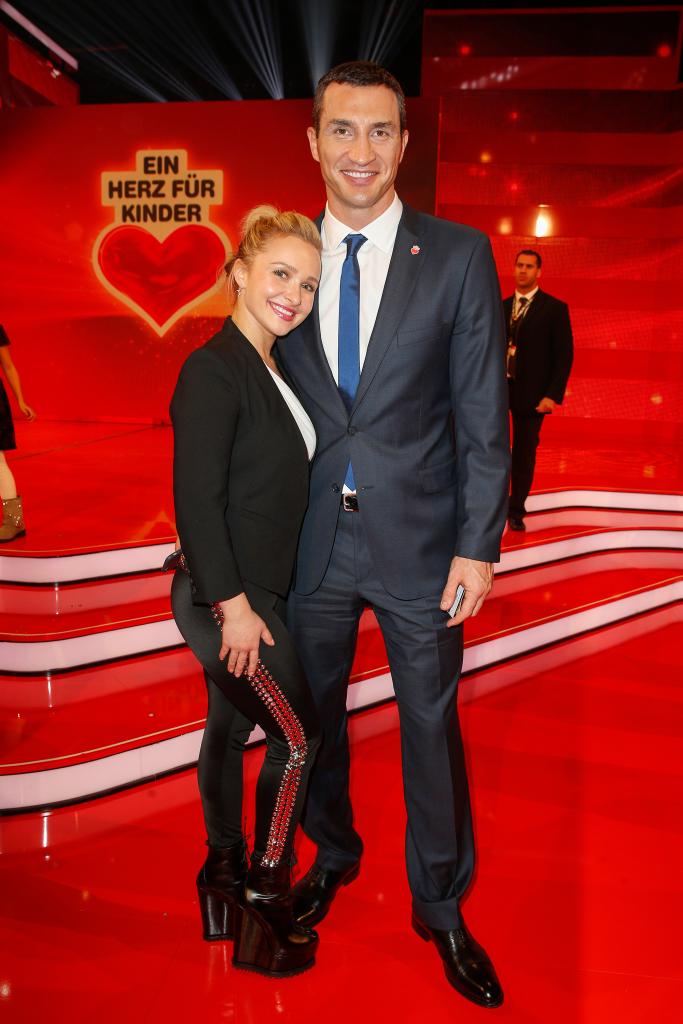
(401, 368)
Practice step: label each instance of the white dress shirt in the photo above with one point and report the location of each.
(374, 257)
(529, 296)
(297, 410)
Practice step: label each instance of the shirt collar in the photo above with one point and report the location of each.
(381, 231)
(529, 295)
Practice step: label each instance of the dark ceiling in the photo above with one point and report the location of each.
(227, 49)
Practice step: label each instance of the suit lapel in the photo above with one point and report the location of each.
(404, 270)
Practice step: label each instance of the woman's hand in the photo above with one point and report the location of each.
(27, 411)
(243, 630)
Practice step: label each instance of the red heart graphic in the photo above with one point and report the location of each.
(161, 277)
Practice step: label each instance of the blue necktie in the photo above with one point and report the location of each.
(349, 329)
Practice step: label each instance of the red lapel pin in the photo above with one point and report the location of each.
(415, 250)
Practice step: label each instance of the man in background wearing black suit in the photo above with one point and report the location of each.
(539, 357)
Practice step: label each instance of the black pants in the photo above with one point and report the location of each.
(425, 660)
(526, 431)
(276, 697)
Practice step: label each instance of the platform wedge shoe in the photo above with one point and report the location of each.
(220, 885)
(267, 938)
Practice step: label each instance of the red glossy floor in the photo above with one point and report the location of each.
(575, 773)
(574, 748)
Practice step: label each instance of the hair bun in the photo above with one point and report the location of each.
(263, 212)
(262, 224)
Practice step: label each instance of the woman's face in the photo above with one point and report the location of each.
(277, 290)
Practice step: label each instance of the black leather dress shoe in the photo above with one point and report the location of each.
(467, 966)
(516, 523)
(314, 893)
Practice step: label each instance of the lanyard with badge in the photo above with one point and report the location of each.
(519, 309)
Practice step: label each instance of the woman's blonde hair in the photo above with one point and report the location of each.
(261, 225)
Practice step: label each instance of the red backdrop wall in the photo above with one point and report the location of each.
(577, 116)
(116, 221)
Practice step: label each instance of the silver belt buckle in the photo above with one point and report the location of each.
(350, 502)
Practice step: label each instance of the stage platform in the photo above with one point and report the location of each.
(97, 690)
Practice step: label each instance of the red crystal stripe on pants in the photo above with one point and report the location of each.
(269, 692)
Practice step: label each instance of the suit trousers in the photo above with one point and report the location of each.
(277, 697)
(526, 432)
(425, 660)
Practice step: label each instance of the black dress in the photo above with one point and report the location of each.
(7, 439)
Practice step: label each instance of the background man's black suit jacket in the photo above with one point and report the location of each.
(545, 352)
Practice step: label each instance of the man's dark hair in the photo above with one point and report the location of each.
(358, 73)
(530, 252)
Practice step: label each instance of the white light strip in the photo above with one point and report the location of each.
(38, 34)
(512, 644)
(148, 557)
(588, 544)
(73, 652)
(649, 501)
(42, 788)
(550, 574)
(94, 565)
(53, 655)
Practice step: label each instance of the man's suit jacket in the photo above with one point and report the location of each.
(427, 433)
(545, 351)
(240, 471)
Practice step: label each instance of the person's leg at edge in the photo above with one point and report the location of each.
(12, 519)
(8, 487)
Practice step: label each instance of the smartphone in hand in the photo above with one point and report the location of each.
(459, 597)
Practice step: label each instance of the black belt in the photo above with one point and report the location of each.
(349, 502)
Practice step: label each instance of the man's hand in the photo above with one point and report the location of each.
(477, 579)
(546, 405)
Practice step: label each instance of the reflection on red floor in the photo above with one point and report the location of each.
(575, 773)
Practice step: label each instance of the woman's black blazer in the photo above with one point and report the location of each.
(240, 471)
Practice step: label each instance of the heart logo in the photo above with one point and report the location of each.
(160, 279)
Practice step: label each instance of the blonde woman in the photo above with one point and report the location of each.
(242, 449)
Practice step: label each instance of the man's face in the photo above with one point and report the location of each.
(527, 271)
(359, 149)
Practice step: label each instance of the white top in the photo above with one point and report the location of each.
(374, 257)
(529, 296)
(298, 412)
